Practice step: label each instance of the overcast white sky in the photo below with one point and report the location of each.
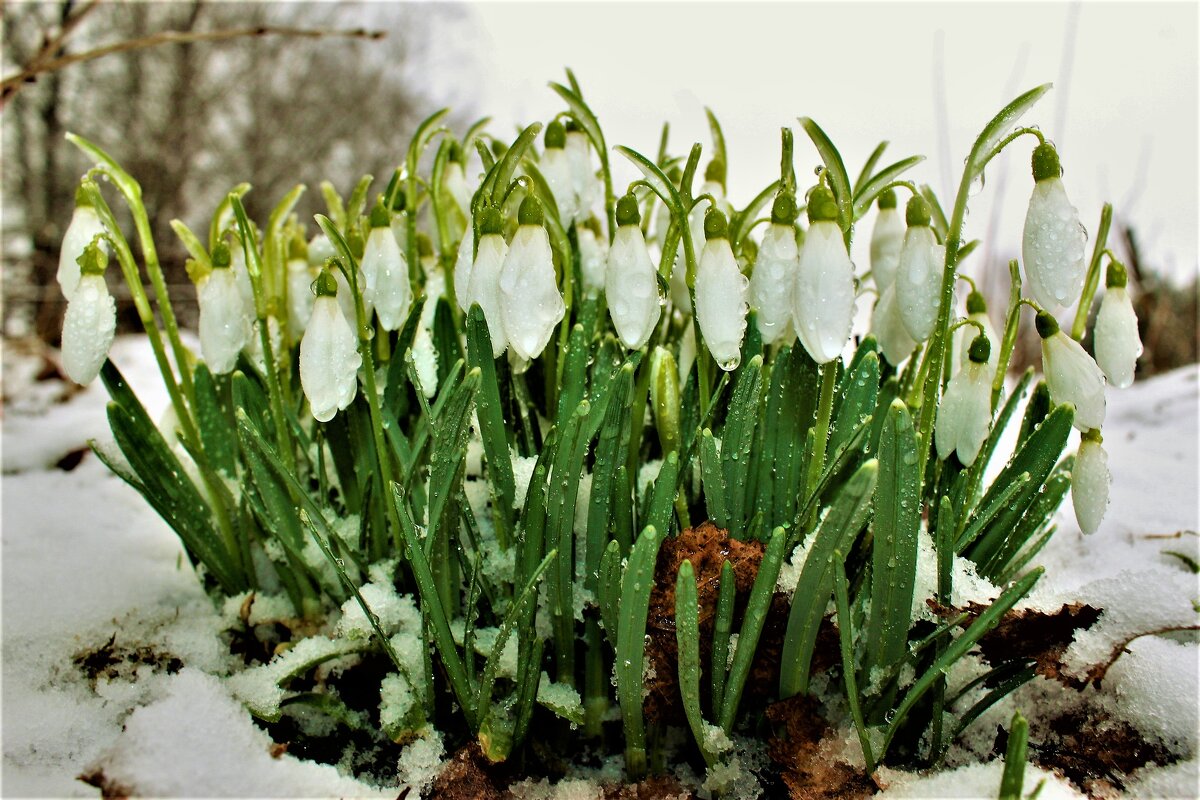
(1124, 110)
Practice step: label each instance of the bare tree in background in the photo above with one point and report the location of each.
(191, 120)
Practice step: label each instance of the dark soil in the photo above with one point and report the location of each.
(111, 661)
(795, 748)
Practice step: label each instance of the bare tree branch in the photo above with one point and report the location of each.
(12, 84)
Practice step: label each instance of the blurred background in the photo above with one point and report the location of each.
(190, 121)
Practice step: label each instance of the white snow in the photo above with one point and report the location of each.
(85, 558)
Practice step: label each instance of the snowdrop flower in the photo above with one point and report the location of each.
(329, 357)
(966, 409)
(919, 272)
(889, 329)
(91, 320)
(300, 277)
(454, 179)
(1071, 374)
(462, 269)
(583, 176)
(385, 271)
(85, 226)
(225, 327)
(399, 222)
(722, 294)
(1117, 342)
(774, 271)
(484, 287)
(823, 292)
(714, 186)
(1090, 479)
(1053, 243)
(593, 255)
(631, 282)
(241, 276)
(530, 303)
(887, 237)
(320, 250)
(556, 167)
(976, 312)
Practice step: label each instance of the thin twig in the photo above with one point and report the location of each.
(1097, 672)
(12, 84)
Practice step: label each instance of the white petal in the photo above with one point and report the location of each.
(965, 413)
(823, 293)
(88, 329)
(485, 288)
(583, 175)
(237, 261)
(225, 327)
(1053, 246)
(770, 284)
(380, 253)
(531, 305)
(1073, 377)
(1117, 342)
(425, 359)
(722, 302)
(254, 349)
(919, 281)
(393, 293)
(85, 225)
(631, 286)
(300, 296)
(329, 360)
(320, 249)
(593, 259)
(889, 329)
(462, 270)
(887, 237)
(454, 179)
(1090, 480)
(555, 167)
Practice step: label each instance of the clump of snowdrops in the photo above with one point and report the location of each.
(451, 423)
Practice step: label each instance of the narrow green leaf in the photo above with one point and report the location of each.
(1012, 781)
(846, 641)
(838, 179)
(631, 644)
(687, 636)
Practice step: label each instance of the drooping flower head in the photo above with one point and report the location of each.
(385, 271)
(631, 281)
(774, 271)
(329, 357)
(530, 303)
(555, 167)
(919, 272)
(977, 312)
(1053, 241)
(484, 286)
(1071, 374)
(83, 229)
(966, 411)
(887, 237)
(1090, 480)
(225, 326)
(91, 320)
(593, 255)
(1117, 342)
(823, 292)
(722, 294)
(583, 174)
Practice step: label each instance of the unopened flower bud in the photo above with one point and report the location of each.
(531, 305)
(631, 282)
(721, 294)
(329, 357)
(823, 292)
(1117, 341)
(84, 227)
(1071, 374)
(91, 319)
(1054, 239)
(919, 273)
(1090, 481)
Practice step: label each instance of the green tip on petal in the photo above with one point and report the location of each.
(326, 284)
(456, 153)
(715, 171)
(1045, 162)
(530, 212)
(784, 209)
(628, 212)
(976, 304)
(887, 199)
(379, 216)
(490, 221)
(572, 126)
(1092, 435)
(822, 207)
(917, 212)
(715, 224)
(1046, 324)
(981, 349)
(556, 136)
(424, 244)
(93, 261)
(1117, 276)
(82, 198)
(399, 202)
(220, 256)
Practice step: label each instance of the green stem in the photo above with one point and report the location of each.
(821, 428)
(1092, 282)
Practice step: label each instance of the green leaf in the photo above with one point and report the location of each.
(897, 523)
(722, 631)
(718, 139)
(217, 434)
(838, 179)
(866, 194)
(609, 590)
(493, 428)
(985, 145)
(631, 645)
(737, 440)
(687, 636)
(500, 177)
(661, 512)
(872, 160)
(713, 480)
(836, 533)
(846, 641)
(858, 400)
(1012, 781)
